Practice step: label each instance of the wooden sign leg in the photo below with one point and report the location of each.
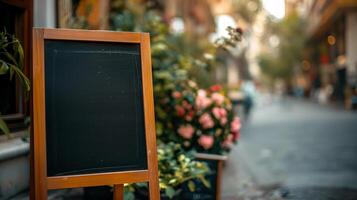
(154, 190)
(118, 192)
(219, 179)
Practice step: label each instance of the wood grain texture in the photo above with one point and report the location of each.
(118, 193)
(91, 35)
(154, 189)
(38, 116)
(88, 180)
(219, 179)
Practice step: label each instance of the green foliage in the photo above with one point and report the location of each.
(12, 63)
(279, 62)
(174, 57)
(12, 59)
(274, 67)
(176, 167)
(177, 61)
(4, 128)
(129, 192)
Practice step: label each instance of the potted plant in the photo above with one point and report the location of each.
(13, 150)
(176, 167)
(11, 64)
(202, 120)
(199, 119)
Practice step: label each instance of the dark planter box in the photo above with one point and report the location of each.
(215, 163)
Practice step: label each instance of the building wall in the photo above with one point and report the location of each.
(44, 13)
(351, 46)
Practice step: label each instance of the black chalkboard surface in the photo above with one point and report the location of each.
(94, 107)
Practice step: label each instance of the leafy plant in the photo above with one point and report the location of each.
(177, 166)
(3, 127)
(175, 59)
(12, 63)
(12, 59)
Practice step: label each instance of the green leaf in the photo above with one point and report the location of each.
(205, 181)
(24, 80)
(10, 57)
(20, 51)
(11, 70)
(170, 192)
(4, 68)
(129, 195)
(4, 128)
(191, 186)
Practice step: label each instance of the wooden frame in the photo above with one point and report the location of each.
(220, 159)
(39, 175)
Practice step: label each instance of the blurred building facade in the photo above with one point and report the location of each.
(331, 52)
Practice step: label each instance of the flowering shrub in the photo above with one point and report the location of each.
(193, 118)
(175, 167)
(200, 119)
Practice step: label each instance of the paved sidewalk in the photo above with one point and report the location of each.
(238, 181)
(295, 149)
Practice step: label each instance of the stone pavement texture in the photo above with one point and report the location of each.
(296, 150)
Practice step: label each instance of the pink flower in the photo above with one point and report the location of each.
(215, 88)
(201, 93)
(216, 112)
(219, 113)
(176, 94)
(180, 110)
(186, 105)
(206, 141)
(218, 98)
(186, 131)
(228, 142)
(223, 121)
(206, 121)
(235, 125)
(189, 116)
(236, 135)
(201, 100)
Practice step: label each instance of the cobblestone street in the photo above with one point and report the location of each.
(295, 150)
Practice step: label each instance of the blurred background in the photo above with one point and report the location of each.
(289, 67)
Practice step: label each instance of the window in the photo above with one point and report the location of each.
(16, 19)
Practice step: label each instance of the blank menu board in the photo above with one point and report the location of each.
(94, 107)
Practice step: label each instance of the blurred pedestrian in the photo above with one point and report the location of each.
(248, 88)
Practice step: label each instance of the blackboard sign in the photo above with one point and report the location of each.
(93, 110)
(94, 107)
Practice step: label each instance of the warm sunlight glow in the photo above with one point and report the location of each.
(222, 22)
(275, 7)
